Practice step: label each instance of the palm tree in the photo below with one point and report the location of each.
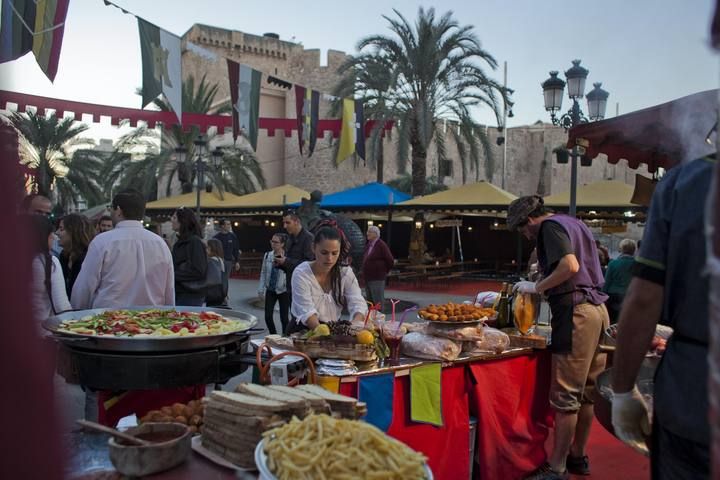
(403, 183)
(426, 73)
(64, 171)
(241, 171)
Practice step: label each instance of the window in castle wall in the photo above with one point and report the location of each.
(445, 168)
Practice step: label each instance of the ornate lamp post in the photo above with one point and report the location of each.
(597, 102)
(201, 163)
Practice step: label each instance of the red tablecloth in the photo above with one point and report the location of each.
(448, 447)
(509, 398)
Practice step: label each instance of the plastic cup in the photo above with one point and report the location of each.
(392, 336)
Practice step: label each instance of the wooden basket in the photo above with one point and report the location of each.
(344, 351)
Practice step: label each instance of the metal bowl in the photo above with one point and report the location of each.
(603, 384)
(137, 460)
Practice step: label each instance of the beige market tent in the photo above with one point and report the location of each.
(265, 201)
(473, 197)
(189, 200)
(604, 195)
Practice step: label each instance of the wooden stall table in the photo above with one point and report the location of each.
(507, 393)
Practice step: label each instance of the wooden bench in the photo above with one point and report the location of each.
(445, 276)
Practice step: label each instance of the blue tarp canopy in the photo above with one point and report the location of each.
(369, 196)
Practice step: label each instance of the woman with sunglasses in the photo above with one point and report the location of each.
(189, 259)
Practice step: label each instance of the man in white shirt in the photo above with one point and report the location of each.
(126, 266)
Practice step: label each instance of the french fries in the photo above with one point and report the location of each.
(322, 447)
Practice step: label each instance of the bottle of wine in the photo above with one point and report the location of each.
(503, 308)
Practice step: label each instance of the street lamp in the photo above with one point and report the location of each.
(597, 102)
(200, 163)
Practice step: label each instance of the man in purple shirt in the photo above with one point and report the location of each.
(572, 280)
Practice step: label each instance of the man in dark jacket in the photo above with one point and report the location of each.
(377, 262)
(572, 280)
(231, 250)
(298, 248)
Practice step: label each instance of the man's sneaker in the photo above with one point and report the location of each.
(544, 472)
(578, 465)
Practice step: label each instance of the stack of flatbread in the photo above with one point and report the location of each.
(235, 421)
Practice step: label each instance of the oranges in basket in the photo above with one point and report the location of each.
(455, 312)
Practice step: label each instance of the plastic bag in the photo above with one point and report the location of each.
(421, 345)
(494, 341)
(463, 333)
(486, 299)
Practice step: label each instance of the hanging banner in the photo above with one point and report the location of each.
(161, 65)
(352, 136)
(307, 107)
(37, 25)
(245, 98)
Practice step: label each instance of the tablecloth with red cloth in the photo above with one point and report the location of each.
(509, 398)
(447, 447)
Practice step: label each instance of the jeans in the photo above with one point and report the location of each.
(270, 299)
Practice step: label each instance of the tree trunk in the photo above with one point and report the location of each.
(419, 168)
(380, 158)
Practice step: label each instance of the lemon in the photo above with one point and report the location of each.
(364, 337)
(321, 330)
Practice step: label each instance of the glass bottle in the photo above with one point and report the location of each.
(503, 308)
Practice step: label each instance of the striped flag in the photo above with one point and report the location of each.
(352, 135)
(161, 65)
(36, 25)
(307, 105)
(245, 97)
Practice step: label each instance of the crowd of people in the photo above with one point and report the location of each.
(308, 277)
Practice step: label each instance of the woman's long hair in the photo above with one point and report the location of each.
(332, 233)
(215, 248)
(189, 224)
(39, 228)
(81, 233)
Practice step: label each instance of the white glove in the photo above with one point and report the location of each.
(525, 287)
(630, 419)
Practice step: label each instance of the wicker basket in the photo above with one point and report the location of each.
(325, 349)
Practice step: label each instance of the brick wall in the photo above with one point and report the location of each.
(531, 165)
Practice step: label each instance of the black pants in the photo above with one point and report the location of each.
(270, 299)
(673, 457)
(614, 304)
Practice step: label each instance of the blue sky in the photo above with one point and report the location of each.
(644, 51)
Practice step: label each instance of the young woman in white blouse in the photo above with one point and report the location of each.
(48, 288)
(321, 288)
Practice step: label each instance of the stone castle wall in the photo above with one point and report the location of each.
(530, 165)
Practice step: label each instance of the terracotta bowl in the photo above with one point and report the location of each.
(171, 447)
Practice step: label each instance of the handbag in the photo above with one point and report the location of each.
(213, 277)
